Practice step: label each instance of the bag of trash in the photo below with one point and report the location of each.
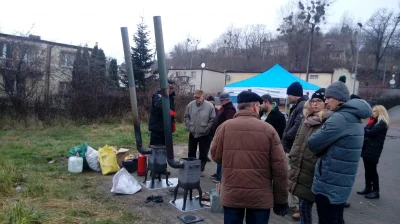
(125, 183)
(81, 149)
(92, 159)
(108, 160)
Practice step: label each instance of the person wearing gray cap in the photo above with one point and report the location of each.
(338, 144)
(226, 112)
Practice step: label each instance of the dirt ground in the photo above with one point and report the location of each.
(361, 212)
(164, 212)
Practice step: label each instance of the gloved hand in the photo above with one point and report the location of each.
(281, 209)
(371, 121)
(172, 113)
(173, 127)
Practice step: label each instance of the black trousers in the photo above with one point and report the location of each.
(204, 147)
(327, 212)
(157, 138)
(371, 175)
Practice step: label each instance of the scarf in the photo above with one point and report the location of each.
(317, 118)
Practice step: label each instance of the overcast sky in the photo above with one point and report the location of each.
(82, 21)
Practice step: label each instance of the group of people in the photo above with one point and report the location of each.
(265, 162)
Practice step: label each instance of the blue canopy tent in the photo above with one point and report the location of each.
(274, 82)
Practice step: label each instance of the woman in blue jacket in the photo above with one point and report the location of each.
(374, 138)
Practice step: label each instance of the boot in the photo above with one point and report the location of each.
(373, 195)
(366, 191)
(296, 215)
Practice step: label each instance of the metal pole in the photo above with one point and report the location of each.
(132, 90)
(384, 72)
(309, 52)
(164, 92)
(201, 79)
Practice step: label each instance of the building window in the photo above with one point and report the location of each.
(29, 56)
(184, 79)
(3, 50)
(313, 76)
(193, 74)
(192, 88)
(67, 59)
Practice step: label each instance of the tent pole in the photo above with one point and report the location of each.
(286, 105)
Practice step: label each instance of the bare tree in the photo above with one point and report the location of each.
(380, 30)
(22, 65)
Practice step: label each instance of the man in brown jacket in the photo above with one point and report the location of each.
(254, 177)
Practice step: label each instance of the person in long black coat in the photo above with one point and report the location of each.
(156, 121)
(374, 139)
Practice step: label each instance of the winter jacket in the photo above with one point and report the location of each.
(226, 112)
(254, 169)
(199, 118)
(339, 142)
(293, 124)
(302, 160)
(156, 121)
(276, 119)
(374, 139)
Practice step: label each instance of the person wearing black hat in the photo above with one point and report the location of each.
(295, 96)
(156, 121)
(254, 167)
(302, 160)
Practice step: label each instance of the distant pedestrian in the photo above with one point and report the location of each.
(156, 121)
(199, 116)
(226, 112)
(270, 113)
(295, 96)
(374, 139)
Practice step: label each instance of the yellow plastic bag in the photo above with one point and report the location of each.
(108, 160)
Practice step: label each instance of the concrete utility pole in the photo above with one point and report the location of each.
(310, 51)
(358, 50)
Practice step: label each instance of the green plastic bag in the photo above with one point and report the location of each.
(81, 149)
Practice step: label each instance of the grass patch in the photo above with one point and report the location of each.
(34, 191)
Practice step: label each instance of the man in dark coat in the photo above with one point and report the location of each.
(296, 96)
(156, 121)
(226, 112)
(270, 113)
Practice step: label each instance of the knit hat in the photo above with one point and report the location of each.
(319, 94)
(354, 96)
(295, 89)
(338, 90)
(248, 97)
(224, 96)
(210, 98)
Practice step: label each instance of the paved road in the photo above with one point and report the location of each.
(362, 211)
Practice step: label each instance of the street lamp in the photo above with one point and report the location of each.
(358, 50)
(203, 65)
(392, 81)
